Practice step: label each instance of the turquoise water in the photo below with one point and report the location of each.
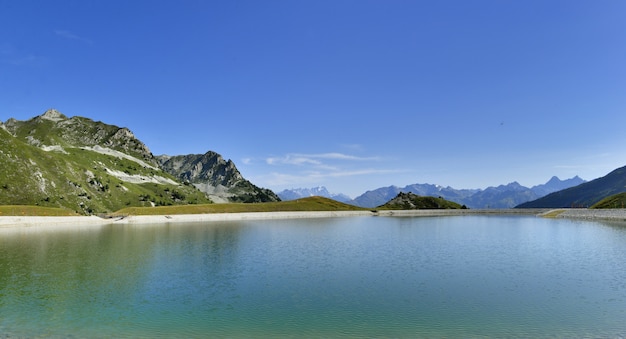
(468, 276)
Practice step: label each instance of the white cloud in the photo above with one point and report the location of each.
(314, 159)
(284, 179)
(314, 177)
(302, 169)
(22, 60)
(71, 36)
(10, 55)
(292, 159)
(354, 147)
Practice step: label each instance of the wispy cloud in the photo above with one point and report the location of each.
(314, 159)
(568, 167)
(354, 147)
(71, 36)
(352, 173)
(316, 177)
(297, 169)
(10, 55)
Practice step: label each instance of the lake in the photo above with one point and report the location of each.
(458, 276)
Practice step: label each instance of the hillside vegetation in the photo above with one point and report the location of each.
(304, 204)
(103, 168)
(91, 167)
(410, 201)
(21, 210)
(614, 201)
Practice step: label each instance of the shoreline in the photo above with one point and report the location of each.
(88, 221)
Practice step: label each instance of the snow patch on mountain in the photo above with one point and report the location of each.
(54, 148)
(140, 179)
(112, 152)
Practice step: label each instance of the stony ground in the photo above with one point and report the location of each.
(618, 214)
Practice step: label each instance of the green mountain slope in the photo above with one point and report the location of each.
(411, 201)
(83, 166)
(583, 195)
(614, 201)
(53, 129)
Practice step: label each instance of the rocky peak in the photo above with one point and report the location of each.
(208, 167)
(123, 133)
(53, 115)
(124, 139)
(217, 177)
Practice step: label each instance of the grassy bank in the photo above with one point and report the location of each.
(305, 204)
(25, 210)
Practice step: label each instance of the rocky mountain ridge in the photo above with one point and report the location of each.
(55, 129)
(502, 196)
(92, 167)
(218, 178)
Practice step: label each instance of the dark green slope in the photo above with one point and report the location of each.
(583, 195)
(614, 201)
(411, 201)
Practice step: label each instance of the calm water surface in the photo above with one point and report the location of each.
(468, 276)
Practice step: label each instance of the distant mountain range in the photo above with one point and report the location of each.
(503, 196)
(320, 191)
(583, 195)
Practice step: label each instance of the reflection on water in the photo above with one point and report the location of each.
(344, 277)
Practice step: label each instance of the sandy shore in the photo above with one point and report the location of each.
(87, 221)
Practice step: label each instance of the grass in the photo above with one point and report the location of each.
(411, 201)
(25, 210)
(78, 180)
(614, 201)
(305, 204)
(553, 214)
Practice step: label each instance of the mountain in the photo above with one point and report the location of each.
(321, 191)
(85, 166)
(377, 197)
(53, 131)
(381, 195)
(503, 196)
(585, 194)
(82, 165)
(216, 177)
(410, 201)
(555, 184)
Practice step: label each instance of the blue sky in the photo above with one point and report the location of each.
(352, 95)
